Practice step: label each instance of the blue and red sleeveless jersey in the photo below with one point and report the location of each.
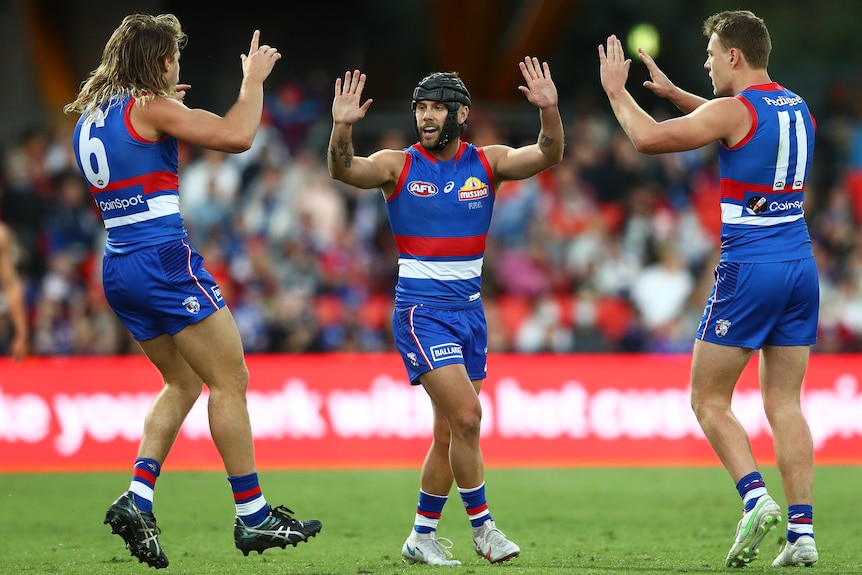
(763, 179)
(134, 181)
(440, 213)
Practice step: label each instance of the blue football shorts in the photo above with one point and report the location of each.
(757, 304)
(160, 289)
(428, 338)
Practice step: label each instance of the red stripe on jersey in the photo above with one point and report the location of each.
(462, 147)
(441, 247)
(484, 159)
(127, 120)
(750, 133)
(735, 190)
(152, 183)
(408, 161)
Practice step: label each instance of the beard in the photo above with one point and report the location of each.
(429, 141)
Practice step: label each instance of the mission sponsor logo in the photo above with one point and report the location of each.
(473, 189)
(422, 189)
(446, 351)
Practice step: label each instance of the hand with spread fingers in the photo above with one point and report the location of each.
(346, 108)
(658, 83)
(540, 89)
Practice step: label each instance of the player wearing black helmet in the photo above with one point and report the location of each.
(440, 194)
(448, 89)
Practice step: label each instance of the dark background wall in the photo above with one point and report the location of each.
(49, 46)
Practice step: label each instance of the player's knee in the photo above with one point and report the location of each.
(467, 424)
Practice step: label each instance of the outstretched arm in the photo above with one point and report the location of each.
(717, 119)
(374, 171)
(520, 163)
(235, 132)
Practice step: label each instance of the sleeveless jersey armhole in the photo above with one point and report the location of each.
(753, 128)
(408, 161)
(484, 159)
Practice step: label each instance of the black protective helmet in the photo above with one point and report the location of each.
(446, 88)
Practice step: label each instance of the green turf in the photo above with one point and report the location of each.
(589, 521)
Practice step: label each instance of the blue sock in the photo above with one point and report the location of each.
(428, 512)
(251, 507)
(143, 485)
(476, 505)
(800, 521)
(751, 488)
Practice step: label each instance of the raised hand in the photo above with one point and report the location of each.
(658, 83)
(346, 108)
(613, 66)
(259, 61)
(540, 89)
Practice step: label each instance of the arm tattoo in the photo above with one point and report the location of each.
(344, 148)
(544, 141)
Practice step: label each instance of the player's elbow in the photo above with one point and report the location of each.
(647, 144)
(239, 143)
(235, 139)
(335, 172)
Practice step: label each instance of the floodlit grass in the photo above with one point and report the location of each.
(586, 521)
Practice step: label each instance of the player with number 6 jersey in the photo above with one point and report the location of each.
(134, 181)
(125, 142)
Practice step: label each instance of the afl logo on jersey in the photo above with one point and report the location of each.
(422, 189)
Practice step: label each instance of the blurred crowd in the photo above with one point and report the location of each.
(611, 250)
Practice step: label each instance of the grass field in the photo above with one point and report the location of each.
(589, 521)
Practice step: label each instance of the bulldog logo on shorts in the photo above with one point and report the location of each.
(192, 304)
(722, 326)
